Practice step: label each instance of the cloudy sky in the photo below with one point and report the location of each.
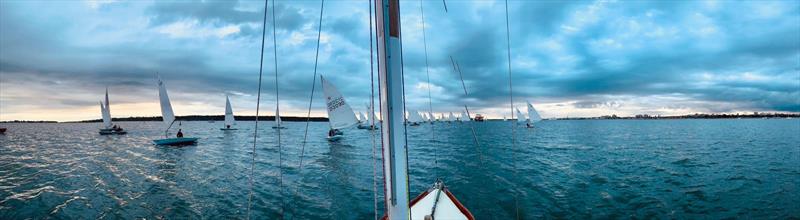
(569, 58)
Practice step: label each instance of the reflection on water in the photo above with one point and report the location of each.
(561, 169)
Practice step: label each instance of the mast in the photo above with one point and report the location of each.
(393, 134)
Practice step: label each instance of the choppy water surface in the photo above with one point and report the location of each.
(564, 169)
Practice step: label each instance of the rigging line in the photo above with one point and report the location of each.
(457, 68)
(310, 101)
(371, 116)
(430, 102)
(277, 110)
(258, 104)
(445, 6)
(511, 105)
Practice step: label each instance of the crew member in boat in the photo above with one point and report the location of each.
(333, 132)
(228, 126)
(180, 134)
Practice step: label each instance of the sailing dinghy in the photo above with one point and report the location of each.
(533, 116)
(366, 121)
(520, 116)
(109, 128)
(340, 115)
(229, 120)
(436, 202)
(169, 118)
(278, 122)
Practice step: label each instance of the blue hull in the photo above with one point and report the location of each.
(175, 141)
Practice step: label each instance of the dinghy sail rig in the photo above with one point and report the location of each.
(168, 117)
(108, 126)
(393, 132)
(340, 115)
(229, 120)
(533, 115)
(520, 116)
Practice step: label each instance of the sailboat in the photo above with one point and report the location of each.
(169, 118)
(533, 116)
(105, 111)
(229, 120)
(504, 118)
(278, 121)
(437, 202)
(450, 117)
(340, 115)
(366, 122)
(520, 116)
(466, 116)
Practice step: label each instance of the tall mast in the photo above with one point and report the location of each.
(393, 132)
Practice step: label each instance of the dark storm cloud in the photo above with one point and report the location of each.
(584, 53)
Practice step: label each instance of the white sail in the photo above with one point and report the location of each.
(340, 115)
(364, 119)
(358, 118)
(105, 110)
(278, 121)
(533, 115)
(229, 120)
(166, 107)
(413, 117)
(466, 116)
(451, 117)
(106, 117)
(520, 116)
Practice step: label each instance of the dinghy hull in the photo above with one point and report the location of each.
(228, 129)
(335, 137)
(176, 141)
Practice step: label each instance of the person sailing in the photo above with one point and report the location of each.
(227, 126)
(180, 134)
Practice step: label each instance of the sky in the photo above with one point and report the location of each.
(568, 58)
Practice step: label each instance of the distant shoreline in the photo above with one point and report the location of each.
(324, 119)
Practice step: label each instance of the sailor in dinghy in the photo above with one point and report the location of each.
(168, 117)
(110, 128)
(340, 115)
(229, 120)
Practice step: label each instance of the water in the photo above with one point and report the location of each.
(565, 169)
